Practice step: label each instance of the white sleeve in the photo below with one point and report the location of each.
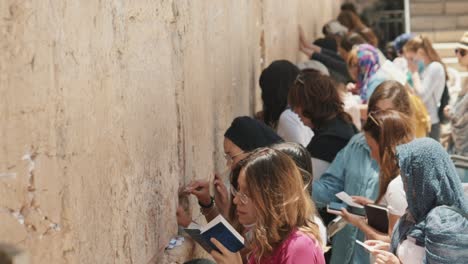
(322, 228)
(409, 252)
(433, 83)
(396, 197)
(319, 167)
(352, 107)
(291, 129)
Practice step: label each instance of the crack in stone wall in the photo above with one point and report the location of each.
(29, 214)
(119, 104)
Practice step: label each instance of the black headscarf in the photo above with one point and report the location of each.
(327, 43)
(274, 82)
(249, 134)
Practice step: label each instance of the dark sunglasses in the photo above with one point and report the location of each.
(461, 51)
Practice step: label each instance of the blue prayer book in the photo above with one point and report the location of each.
(220, 229)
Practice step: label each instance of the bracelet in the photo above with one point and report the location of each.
(209, 205)
(207, 211)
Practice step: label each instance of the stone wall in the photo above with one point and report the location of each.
(441, 20)
(108, 106)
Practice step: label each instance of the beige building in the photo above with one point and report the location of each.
(444, 22)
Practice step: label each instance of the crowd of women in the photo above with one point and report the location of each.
(346, 120)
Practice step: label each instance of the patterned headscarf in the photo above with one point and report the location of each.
(368, 63)
(401, 40)
(437, 208)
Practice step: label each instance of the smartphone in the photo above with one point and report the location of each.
(335, 208)
(368, 248)
(357, 211)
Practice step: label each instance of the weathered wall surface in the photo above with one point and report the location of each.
(107, 107)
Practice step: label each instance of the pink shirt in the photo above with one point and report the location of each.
(298, 248)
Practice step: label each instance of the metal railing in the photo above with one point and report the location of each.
(387, 25)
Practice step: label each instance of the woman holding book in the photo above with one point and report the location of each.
(356, 173)
(384, 131)
(271, 201)
(435, 227)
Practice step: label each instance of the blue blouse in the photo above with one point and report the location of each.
(355, 172)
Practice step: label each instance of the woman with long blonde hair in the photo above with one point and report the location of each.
(271, 201)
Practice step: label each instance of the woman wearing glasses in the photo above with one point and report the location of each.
(428, 75)
(384, 131)
(356, 173)
(458, 114)
(245, 134)
(270, 200)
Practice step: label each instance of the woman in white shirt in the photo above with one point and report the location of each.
(384, 130)
(429, 76)
(274, 82)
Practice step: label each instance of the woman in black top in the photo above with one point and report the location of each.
(315, 99)
(326, 51)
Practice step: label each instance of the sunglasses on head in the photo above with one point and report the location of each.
(377, 123)
(461, 51)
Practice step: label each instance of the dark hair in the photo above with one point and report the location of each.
(390, 51)
(274, 82)
(350, 20)
(348, 7)
(249, 134)
(394, 91)
(348, 42)
(389, 128)
(327, 43)
(301, 157)
(199, 261)
(318, 98)
(354, 23)
(397, 93)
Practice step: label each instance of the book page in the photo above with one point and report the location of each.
(220, 219)
(193, 225)
(347, 199)
(377, 206)
(368, 248)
